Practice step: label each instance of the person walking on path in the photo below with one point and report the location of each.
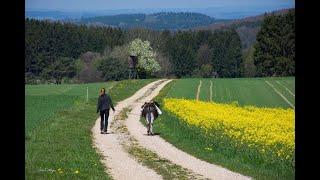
(103, 106)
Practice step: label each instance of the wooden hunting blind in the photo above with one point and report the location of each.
(133, 61)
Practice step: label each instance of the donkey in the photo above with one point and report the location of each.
(150, 113)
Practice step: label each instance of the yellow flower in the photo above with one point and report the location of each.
(266, 128)
(76, 172)
(60, 171)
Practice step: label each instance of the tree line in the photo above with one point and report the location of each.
(274, 53)
(47, 42)
(53, 46)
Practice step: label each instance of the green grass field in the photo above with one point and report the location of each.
(59, 122)
(43, 101)
(245, 91)
(58, 129)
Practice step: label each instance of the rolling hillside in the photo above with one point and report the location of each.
(247, 28)
(156, 21)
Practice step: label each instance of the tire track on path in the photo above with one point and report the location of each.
(117, 161)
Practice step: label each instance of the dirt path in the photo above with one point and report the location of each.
(122, 166)
(168, 151)
(118, 162)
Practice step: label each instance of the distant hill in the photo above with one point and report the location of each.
(218, 12)
(52, 15)
(156, 21)
(247, 28)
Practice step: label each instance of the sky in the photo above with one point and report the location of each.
(94, 5)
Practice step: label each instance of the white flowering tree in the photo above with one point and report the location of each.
(146, 56)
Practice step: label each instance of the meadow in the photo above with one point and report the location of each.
(59, 121)
(246, 91)
(58, 128)
(248, 127)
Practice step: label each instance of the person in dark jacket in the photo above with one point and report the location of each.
(103, 106)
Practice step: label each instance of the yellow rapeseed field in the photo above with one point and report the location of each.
(269, 130)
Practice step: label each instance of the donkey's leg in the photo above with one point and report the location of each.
(148, 128)
(151, 128)
(147, 124)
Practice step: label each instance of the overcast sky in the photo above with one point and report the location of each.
(89, 5)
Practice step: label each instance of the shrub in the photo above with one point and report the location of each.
(112, 69)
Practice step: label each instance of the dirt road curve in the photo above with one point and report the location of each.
(121, 166)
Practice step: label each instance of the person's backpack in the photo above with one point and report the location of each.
(158, 110)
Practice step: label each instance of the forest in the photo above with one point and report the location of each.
(60, 52)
